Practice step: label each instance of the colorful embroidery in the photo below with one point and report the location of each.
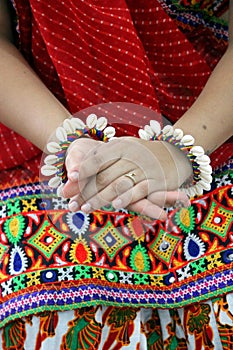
(53, 259)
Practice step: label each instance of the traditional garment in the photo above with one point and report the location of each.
(104, 280)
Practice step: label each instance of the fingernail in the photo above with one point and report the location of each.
(73, 206)
(74, 176)
(117, 203)
(86, 208)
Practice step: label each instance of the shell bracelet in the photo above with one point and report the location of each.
(71, 130)
(202, 169)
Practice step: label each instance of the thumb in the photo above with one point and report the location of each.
(76, 153)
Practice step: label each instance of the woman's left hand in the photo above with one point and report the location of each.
(103, 175)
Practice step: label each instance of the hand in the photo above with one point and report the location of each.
(96, 173)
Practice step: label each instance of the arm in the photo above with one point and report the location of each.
(210, 118)
(26, 105)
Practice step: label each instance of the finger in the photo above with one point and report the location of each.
(113, 180)
(135, 193)
(72, 188)
(145, 207)
(75, 203)
(106, 196)
(76, 153)
(169, 199)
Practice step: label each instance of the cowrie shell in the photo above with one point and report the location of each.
(168, 130)
(205, 185)
(61, 134)
(155, 126)
(149, 130)
(206, 177)
(197, 151)
(48, 170)
(143, 135)
(205, 169)
(50, 159)
(59, 190)
(91, 120)
(187, 140)
(53, 147)
(190, 191)
(54, 182)
(68, 126)
(198, 189)
(203, 160)
(178, 134)
(109, 131)
(77, 123)
(101, 123)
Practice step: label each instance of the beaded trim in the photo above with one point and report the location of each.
(71, 130)
(202, 169)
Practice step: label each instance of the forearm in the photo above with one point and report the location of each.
(210, 118)
(26, 105)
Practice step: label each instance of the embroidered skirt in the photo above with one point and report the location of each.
(116, 280)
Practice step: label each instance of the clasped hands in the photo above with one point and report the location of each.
(98, 175)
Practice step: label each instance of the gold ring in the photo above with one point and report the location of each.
(131, 176)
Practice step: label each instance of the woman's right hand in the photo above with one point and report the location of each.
(84, 191)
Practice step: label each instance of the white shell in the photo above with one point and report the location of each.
(53, 147)
(205, 169)
(206, 177)
(190, 191)
(155, 126)
(54, 182)
(168, 130)
(109, 131)
(149, 130)
(198, 189)
(203, 160)
(50, 159)
(101, 123)
(187, 140)
(59, 190)
(68, 126)
(48, 170)
(143, 134)
(61, 134)
(77, 123)
(178, 134)
(197, 151)
(205, 185)
(91, 120)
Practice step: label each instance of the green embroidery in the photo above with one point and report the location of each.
(141, 279)
(111, 276)
(14, 228)
(110, 239)
(218, 220)
(47, 239)
(82, 271)
(170, 242)
(185, 219)
(139, 259)
(19, 282)
(13, 207)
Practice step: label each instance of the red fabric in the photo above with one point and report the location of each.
(92, 52)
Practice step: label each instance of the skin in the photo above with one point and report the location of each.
(101, 179)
